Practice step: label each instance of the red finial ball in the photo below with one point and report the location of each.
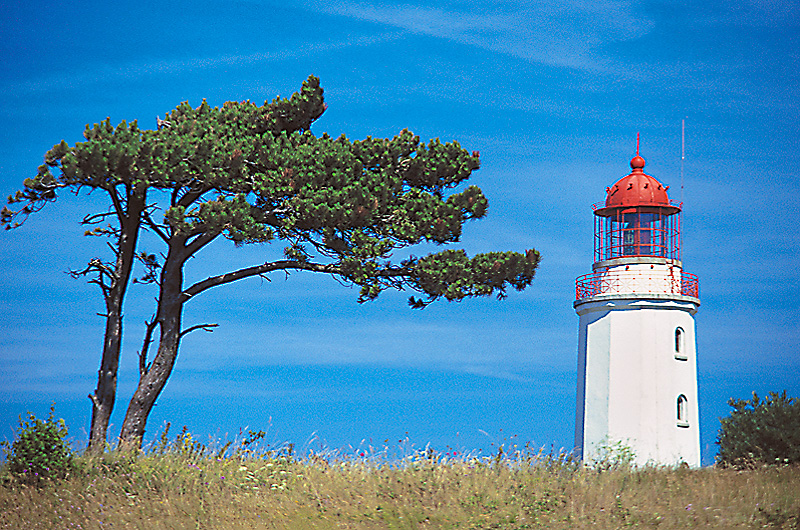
(637, 163)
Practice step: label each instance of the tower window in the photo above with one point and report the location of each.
(680, 346)
(683, 412)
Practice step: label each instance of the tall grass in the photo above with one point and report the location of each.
(183, 484)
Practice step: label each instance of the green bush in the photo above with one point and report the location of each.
(760, 432)
(40, 451)
(612, 456)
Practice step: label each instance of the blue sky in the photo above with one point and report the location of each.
(551, 94)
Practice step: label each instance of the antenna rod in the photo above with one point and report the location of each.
(637, 144)
(683, 152)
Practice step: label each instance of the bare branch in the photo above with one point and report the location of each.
(103, 271)
(148, 338)
(118, 208)
(114, 249)
(257, 270)
(94, 265)
(155, 227)
(97, 218)
(204, 327)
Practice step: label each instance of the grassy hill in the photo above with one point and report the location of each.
(184, 485)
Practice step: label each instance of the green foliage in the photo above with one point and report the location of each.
(254, 174)
(613, 456)
(760, 432)
(40, 450)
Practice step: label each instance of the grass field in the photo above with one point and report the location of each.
(182, 484)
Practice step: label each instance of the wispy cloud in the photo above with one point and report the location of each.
(560, 34)
(114, 73)
(495, 373)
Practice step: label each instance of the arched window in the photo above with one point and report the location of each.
(680, 346)
(683, 411)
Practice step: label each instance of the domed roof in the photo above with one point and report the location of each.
(636, 189)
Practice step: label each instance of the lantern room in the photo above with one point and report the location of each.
(638, 219)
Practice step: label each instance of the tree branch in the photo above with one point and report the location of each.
(190, 196)
(114, 250)
(102, 270)
(173, 200)
(96, 218)
(148, 338)
(155, 227)
(204, 327)
(35, 199)
(257, 270)
(117, 203)
(199, 242)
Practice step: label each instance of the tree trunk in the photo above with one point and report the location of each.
(153, 379)
(106, 391)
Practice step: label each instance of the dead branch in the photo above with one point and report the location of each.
(204, 327)
(148, 339)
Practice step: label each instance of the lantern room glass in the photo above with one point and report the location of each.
(637, 231)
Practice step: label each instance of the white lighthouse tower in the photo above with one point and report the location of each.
(637, 363)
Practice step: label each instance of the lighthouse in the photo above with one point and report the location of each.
(637, 362)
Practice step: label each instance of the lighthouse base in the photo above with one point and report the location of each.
(637, 379)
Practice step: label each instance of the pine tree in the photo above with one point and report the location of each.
(257, 174)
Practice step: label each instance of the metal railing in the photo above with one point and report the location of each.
(637, 232)
(636, 282)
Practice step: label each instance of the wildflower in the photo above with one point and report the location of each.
(688, 507)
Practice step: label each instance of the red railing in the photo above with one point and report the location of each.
(636, 282)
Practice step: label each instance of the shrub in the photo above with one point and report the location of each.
(40, 451)
(612, 456)
(760, 432)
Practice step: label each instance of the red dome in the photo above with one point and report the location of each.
(636, 189)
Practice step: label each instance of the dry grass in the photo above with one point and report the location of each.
(185, 486)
